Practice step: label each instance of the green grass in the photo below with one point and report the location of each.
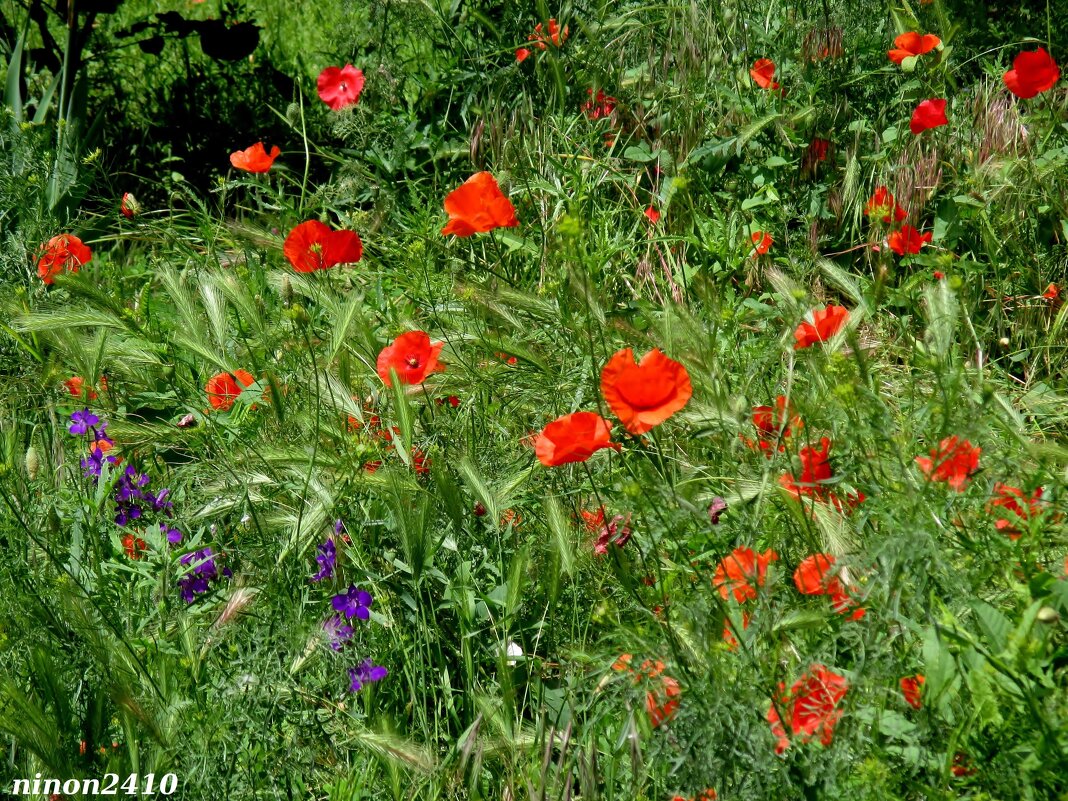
(238, 693)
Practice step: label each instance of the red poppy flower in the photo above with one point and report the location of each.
(653, 215)
(826, 322)
(616, 531)
(907, 240)
(953, 461)
(420, 462)
(573, 438)
(762, 243)
(646, 394)
(763, 73)
(813, 706)
(340, 87)
(65, 252)
(223, 388)
(134, 546)
(818, 149)
(928, 114)
(814, 576)
(600, 106)
(1014, 500)
(255, 158)
(662, 705)
(76, 387)
(521, 55)
(815, 468)
(911, 688)
(129, 206)
(728, 635)
(412, 355)
(555, 36)
(741, 572)
(593, 521)
(312, 246)
(882, 204)
(772, 423)
(912, 44)
(1033, 71)
(477, 206)
(1052, 293)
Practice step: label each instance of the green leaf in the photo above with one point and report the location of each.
(13, 93)
(994, 626)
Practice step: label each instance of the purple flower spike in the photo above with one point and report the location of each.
(81, 421)
(365, 673)
(326, 558)
(355, 602)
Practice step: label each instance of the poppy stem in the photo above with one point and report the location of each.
(307, 151)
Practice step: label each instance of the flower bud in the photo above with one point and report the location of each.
(33, 463)
(1048, 615)
(129, 206)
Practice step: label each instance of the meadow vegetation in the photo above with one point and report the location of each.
(612, 400)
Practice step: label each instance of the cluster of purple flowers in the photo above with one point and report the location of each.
(134, 499)
(132, 493)
(364, 674)
(352, 603)
(82, 422)
(203, 574)
(327, 558)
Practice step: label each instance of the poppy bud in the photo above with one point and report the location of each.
(287, 292)
(129, 206)
(1048, 615)
(33, 463)
(299, 314)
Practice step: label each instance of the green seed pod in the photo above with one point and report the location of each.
(287, 291)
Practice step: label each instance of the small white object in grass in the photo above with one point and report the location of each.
(513, 651)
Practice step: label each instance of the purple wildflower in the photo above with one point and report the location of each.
(339, 528)
(365, 673)
(204, 571)
(174, 536)
(338, 630)
(326, 558)
(81, 421)
(354, 602)
(93, 464)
